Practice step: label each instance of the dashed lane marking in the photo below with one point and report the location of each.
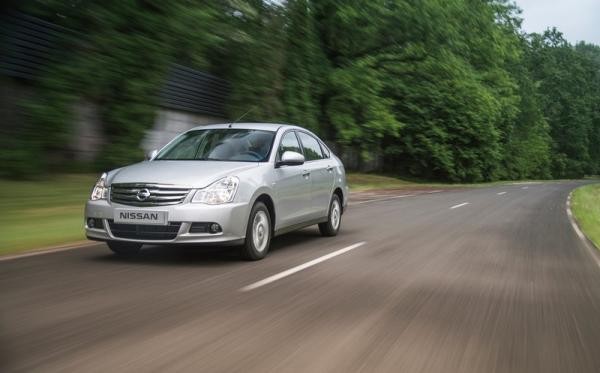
(300, 267)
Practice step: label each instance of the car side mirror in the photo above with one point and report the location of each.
(291, 159)
(151, 155)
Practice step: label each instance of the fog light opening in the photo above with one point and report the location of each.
(95, 223)
(215, 228)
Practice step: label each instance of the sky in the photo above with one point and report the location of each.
(576, 19)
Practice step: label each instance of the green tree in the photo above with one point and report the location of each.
(591, 53)
(566, 80)
(441, 89)
(527, 142)
(117, 57)
(305, 66)
(254, 60)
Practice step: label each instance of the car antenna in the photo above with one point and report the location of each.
(240, 118)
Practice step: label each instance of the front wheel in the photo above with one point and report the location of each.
(258, 233)
(331, 227)
(124, 249)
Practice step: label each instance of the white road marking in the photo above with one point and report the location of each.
(434, 191)
(524, 187)
(572, 220)
(501, 193)
(580, 234)
(459, 205)
(57, 249)
(382, 199)
(300, 267)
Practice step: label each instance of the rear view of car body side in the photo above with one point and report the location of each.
(218, 185)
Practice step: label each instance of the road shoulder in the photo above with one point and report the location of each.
(589, 244)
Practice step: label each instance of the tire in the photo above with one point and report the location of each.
(258, 233)
(334, 219)
(124, 249)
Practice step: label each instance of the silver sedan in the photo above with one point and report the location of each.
(233, 184)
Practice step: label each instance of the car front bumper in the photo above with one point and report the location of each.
(232, 217)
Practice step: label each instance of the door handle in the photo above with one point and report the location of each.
(306, 173)
(329, 168)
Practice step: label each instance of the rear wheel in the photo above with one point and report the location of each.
(258, 233)
(124, 249)
(334, 219)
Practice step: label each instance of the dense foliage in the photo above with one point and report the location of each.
(438, 89)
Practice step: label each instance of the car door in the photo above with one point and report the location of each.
(292, 187)
(321, 175)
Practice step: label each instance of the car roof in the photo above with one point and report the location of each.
(248, 125)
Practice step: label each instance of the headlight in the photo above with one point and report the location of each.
(221, 191)
(100, 190)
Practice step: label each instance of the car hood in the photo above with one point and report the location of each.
(195, 174)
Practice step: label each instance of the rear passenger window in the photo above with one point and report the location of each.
(312, 149)
(289, 143)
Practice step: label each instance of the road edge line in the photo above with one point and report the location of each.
(591, 246)
(49, 250)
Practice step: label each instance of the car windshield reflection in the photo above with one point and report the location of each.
(234, 145)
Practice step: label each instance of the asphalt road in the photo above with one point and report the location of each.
(458, 281)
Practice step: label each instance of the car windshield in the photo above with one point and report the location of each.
(223, 144)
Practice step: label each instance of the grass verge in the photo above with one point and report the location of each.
(38, 214)
(585, 204)
(360, 181)
(363, 181)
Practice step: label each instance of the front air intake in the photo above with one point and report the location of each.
(144, 231)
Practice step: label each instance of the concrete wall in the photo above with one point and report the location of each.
(88, 137)
(170, 123)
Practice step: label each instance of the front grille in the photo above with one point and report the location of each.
(144, 231)
(147, 194)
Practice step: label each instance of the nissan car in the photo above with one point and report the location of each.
(225, 184)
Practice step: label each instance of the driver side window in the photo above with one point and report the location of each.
(289, 143)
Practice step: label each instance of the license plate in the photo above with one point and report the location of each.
(140, 217)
